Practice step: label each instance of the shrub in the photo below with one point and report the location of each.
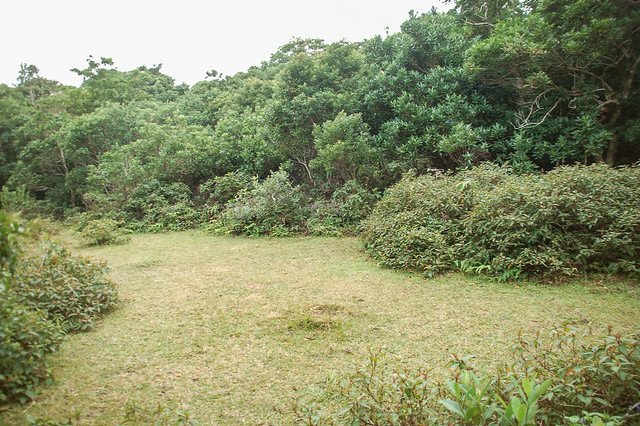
(19, 200)
(222, 189)
(488, 220)
(372, 395)
(71, 290)
(271, 207)
(9, 231)
(417, 224)
(588, 373)
(26, 337)
(568, 376)
(572, 219)
(343, 213)
(157, 207)
(101, 232)
(40, 227)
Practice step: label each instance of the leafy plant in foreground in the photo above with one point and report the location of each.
(568, 376)
(26, 338)
(71, 290)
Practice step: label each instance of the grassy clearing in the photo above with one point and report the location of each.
(232, 328)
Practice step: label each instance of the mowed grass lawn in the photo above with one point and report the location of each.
(234, 328)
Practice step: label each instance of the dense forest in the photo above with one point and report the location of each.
(529, 84)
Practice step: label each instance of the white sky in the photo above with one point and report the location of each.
(188, 37)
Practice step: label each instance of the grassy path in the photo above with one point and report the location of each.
(231, 328)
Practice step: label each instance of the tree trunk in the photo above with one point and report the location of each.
(612, 150)
(72, 196)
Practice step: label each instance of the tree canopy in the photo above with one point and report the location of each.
(532, 83)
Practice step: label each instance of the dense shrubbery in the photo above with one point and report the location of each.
(270, 207)
(490, 220)
(343, 212)
(26, 337)
(155, 207)
(100, 232)
(9, 231)
(45, 293)
(276, 207)
(73, 291)
(569, 376)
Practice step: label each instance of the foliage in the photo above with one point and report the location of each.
(588, 373)
(372, 396)
(154, 206)
(538, 387)
(343, 213)
(9, 250)
(345, 151)
(222, 189)
(26, 337)
(488, 220)
(101, 232)
(418, 223)
(536, 84)
(73, 291)
(270, 207)
(42, 227)
(43, 296)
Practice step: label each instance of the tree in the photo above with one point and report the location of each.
(575, 60)
(345, 150)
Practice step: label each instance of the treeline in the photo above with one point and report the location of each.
(532, 84)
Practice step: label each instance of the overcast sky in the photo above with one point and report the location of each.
(188, 37)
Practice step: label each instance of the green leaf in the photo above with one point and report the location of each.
(452, 406)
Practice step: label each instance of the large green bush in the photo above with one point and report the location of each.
(344, 212)
(101, 232)
(418, 222)
(157, 206)
(489, 220)
(72, 290)
(26, 337)
(9, 231)
(44, 294)
(271, 207)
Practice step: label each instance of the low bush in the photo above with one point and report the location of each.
(20, 200)
(72, 290)
(270, 207)
(101, 232)
(26, 337)
(569, 376)
(42, 296)
(588, 372)
(488, 220)
(42, 227)
(418, 223)
(9, 249)
(343, 213)
(222, 189)
(158, 207)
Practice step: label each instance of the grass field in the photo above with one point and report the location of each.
(233, 328)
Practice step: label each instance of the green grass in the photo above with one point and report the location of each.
(233, 328)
